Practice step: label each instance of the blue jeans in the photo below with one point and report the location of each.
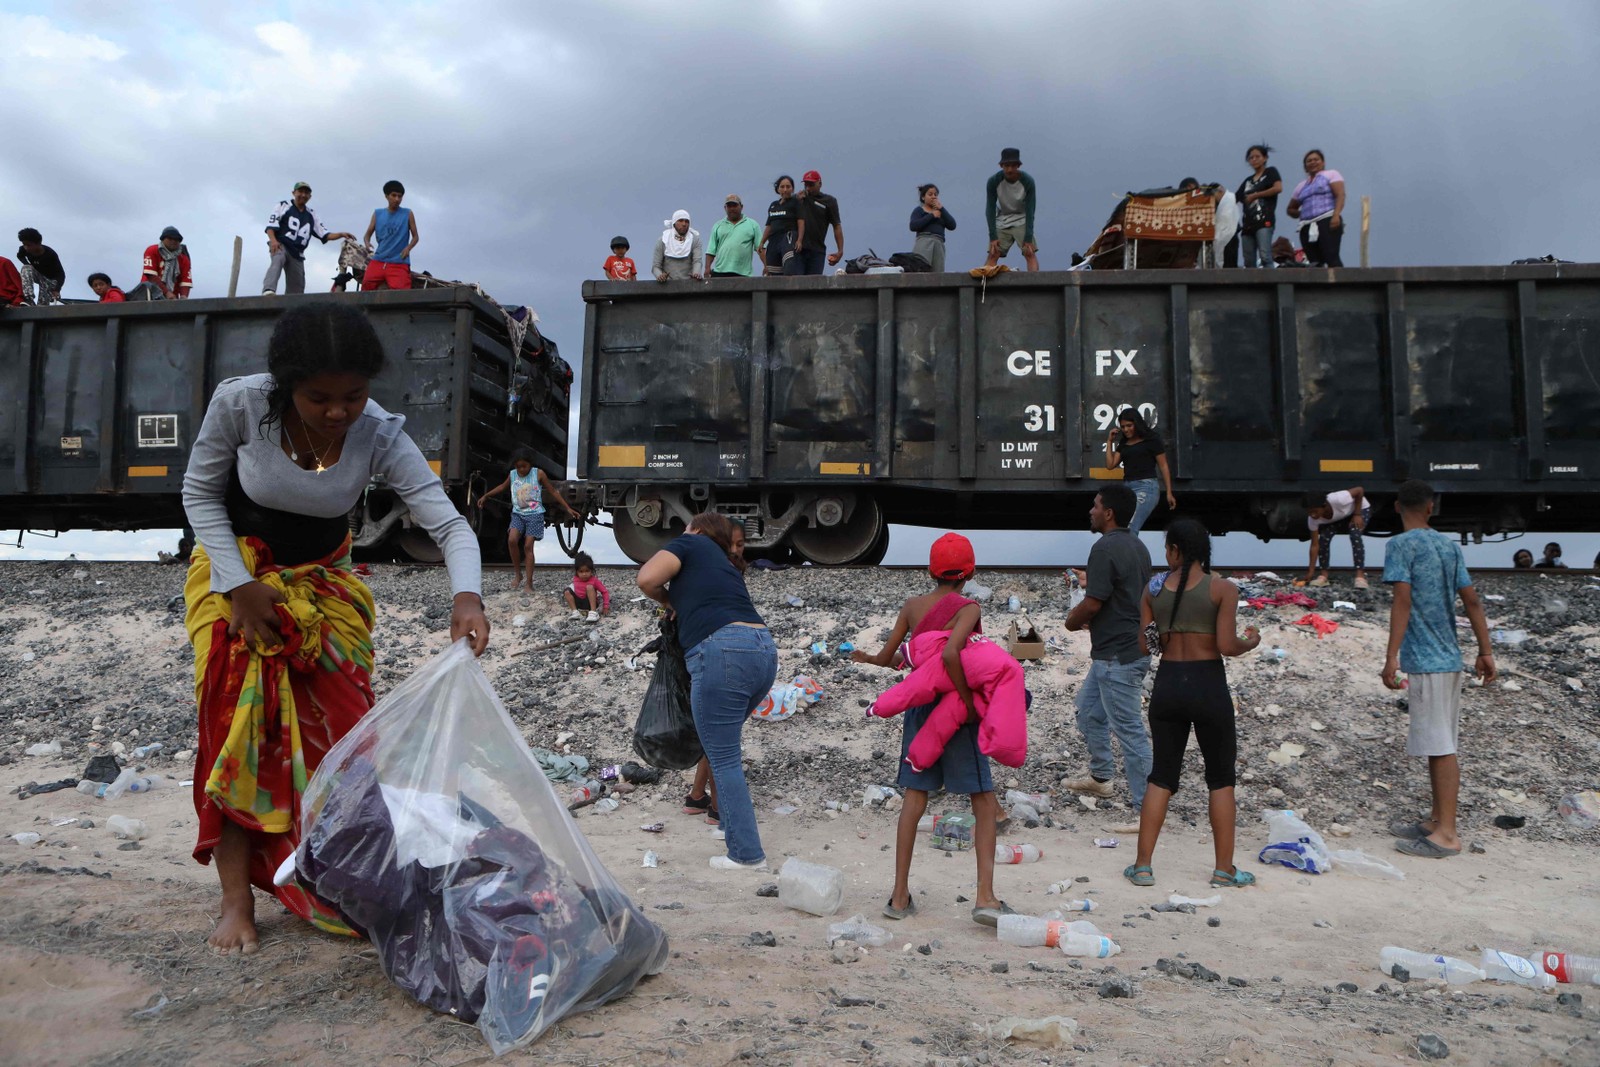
(1146, 491)
(1257, 245)
(1109, 703)
(730, 673)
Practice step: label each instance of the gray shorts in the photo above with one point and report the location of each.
(1435, 701)
(1011, 235)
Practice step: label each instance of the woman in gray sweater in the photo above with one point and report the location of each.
(280, 624)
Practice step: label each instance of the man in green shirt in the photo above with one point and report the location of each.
(733, 242)
(1010, 207)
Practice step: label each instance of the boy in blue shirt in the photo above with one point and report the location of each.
(1426, 570)
(396, 228)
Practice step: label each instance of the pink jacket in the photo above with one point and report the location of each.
(995, 679)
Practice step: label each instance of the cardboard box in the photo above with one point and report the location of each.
(1025, 644)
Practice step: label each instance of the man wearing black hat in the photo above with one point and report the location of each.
(290, 228)
(1010, 207)
(166, 268)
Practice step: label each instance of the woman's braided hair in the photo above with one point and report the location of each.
(1193, 542)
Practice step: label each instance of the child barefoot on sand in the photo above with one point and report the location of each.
(962, 768)
(528, 487)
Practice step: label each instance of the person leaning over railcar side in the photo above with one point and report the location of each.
(165, 274)
(678, 252)
(280, 624)
(929, 221)
(1318, 202)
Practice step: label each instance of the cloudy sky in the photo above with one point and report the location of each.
(527, 134)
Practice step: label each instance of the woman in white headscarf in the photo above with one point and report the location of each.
(679, 252)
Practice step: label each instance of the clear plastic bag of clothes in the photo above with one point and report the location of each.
(665, 734)
(431, 827)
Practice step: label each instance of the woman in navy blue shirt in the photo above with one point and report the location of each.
(929, 221)
(732, 664)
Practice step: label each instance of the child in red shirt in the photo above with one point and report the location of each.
(619, 268)
(587, 589)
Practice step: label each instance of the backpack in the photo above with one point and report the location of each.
(861, 264)
(911, 263)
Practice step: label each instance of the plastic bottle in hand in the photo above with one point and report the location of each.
(1030, 932)
(1500, 966)
(1016, 853)
(1566, 967)
(1425, 965)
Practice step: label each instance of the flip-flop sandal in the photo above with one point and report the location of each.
(1132, 874)
(1408, 829)
(991, 916)
(1425, 849)
(892, 912)
(1237, 880)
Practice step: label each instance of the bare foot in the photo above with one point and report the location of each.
(236, 929)
(516, 583)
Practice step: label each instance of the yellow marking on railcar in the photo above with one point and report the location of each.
(436, 466)
(622, 456)
(147, 472)
(1345, 466)
(1106, 474)
(844, 468)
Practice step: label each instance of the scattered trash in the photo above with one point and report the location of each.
(1038, 801)
(1344, 605)
(1324, 627)
(1083, 938)
(519, 621)
(27, 657)
(1087, 801)
(1068, 907)
(846, 647)
(1013, 604)
(654, 827)
(794, 602)
(1581, 809)
(33, 789)
(952, 831)
(786, 699)
(44, 748)
(1509, 822)
(877, 794)
(1567, 967)
(1274, 655)
(126, 829)
(650, 860)
(664, 734)
(1199, 902)
(1105, 842)
(1027, 931)
(1500, 966)
(151, 1011)
(1286, 753)
(93, 789)
(857, 929)
(1293, 843)
(102, 769)
(1360, 863)
(785, 809)
(146, 751)
(1296, 600)
(980, 593)
(1423, 966)
(27, 839)
(1017, 853)
(605, 805)
(810, 887)
(70, 820)
(819, 648)
(1046, 1032)
(1509, 638)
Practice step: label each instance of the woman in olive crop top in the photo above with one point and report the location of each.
(1194, 615)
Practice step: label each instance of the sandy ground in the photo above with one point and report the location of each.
(91, 936)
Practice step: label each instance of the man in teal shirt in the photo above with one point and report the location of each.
(733, 242)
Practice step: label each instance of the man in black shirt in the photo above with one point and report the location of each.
(1109, 700)
(41, 269)
(821, 212)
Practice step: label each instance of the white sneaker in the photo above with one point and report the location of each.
(593, 616)
(577, 616)
(1088, 786)
(723, 863)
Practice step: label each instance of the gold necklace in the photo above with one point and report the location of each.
(294, 454)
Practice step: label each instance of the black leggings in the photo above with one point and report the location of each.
(1192, 693)
(1325, 535)
(1324, 251)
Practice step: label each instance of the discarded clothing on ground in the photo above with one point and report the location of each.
(1324, 627)
(431, 828)
(787, 698)
(560, 768)
(1299, 600)
(998, 695)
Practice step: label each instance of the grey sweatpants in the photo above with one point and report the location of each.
(930, 248)
(293, 270)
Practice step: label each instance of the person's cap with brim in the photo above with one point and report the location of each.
(811, 176)
(301, 185)
(733, 198)
(951, 558)
(171, 231)
(1010, 155)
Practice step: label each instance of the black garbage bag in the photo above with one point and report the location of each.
(665, 735)
(431, 828)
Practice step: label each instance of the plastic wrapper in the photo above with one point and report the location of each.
(665, 735)
(431, 827)
(1293, 843)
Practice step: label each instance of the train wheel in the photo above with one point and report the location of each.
(879, 549)
(637, 542)
(415, 544)
(847, 542)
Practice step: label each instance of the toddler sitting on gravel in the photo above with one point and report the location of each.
(587, 590)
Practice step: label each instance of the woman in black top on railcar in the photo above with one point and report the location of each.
(1141, 453)
(786, 224)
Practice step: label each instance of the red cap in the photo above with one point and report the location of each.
(951, 558)
(811, 176)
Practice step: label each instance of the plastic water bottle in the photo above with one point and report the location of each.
(1566, 967)
(857, 929)
(1029, 931)
(606, 804)
(1017, 853)
(1504, 967)
(146, 751)
(810, 887)
(120, 786)
(125, 828)
(587, 791)
(1013, 604)
(1025, 812)
(146, 783)
(1424, 965)
(1068, 906)
(1037, 801)
(93, 789)
(1083, 938)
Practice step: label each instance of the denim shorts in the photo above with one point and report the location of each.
(962, 768)
(529, 525)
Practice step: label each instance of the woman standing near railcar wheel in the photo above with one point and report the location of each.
(929, 221)
(280, 624)
(1140, 452)
(732, 664)
(786, 224)
(1318, 202)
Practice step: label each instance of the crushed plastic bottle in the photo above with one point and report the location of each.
(794, 602)
(1038, 801)
(1274, 655)
(1509, 638)
(876, 794)
(607, 804)
(1199, 902)
(1069, 906)
(650, 860)
(27, 839)
(1581, 809)
(1027, 813)
(857, 929)
(587, 791)
(93, 789)
(810, 887)
(1423, 965)
(1500, 966)
(44, 748)
(120, 786)
(1017, 853)
(126, 829)
(146, 751)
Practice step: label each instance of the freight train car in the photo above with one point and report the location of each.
(100, 402)
(818, 410)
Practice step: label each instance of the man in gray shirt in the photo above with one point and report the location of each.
(1109, 701)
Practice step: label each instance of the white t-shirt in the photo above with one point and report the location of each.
(1343, 505)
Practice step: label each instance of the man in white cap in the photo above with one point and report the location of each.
(733, 242)
(679, 251)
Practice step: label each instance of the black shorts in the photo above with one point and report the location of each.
(1192, 694)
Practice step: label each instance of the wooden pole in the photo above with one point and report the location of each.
(1366, 225)
(239, 255)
